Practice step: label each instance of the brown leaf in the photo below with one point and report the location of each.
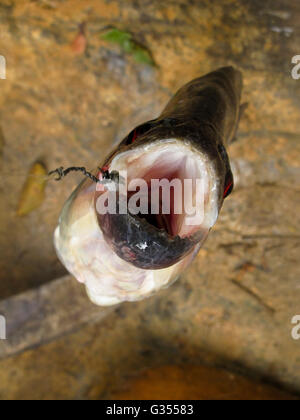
(33, 192)
(79, 44)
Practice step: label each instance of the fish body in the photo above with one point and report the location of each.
(127, 255)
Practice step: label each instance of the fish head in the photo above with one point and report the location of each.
(134, 232)
(122, 253)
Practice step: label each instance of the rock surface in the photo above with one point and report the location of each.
(67, 106)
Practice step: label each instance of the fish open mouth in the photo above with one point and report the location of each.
(171, 193)
(179, 185)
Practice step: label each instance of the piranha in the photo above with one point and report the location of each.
(123, 256)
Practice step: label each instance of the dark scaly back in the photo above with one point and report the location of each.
(212, 100)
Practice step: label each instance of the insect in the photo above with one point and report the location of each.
(129, 255)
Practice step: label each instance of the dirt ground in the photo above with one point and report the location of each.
(66, 103)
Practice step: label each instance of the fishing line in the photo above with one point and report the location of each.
(106, 175)
(62, 173)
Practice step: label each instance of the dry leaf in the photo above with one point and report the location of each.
(33, 192)
(79, 44)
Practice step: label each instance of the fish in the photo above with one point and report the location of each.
(124, 255)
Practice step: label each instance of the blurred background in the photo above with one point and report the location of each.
(74, 88)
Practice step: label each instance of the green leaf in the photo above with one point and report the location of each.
(127, 43)
(116, 36)
(142, 55)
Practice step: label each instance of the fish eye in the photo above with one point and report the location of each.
(137, 132)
